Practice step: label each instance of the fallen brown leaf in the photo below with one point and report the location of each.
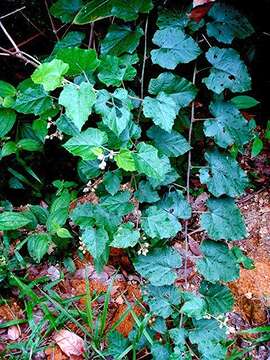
(69, 342)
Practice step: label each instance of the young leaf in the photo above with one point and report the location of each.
(181, 90)
(124, 160)
(162, 299)
(83, 144)
(242, 259)
(218, 263)
(228, 72)
(33, 100)
(146, 193)
(223, 220)
(162, 110)
(58, 211)
(158, 223)
(218, 297)
(229, 126)
(114, 70)
(7, 120)
(175, 48)
(228, 23)
(125, 236)
(50, 75)
(244, 102)
(117, 343)
(149, 163)
(223, 176)
(65, 10)
(38, 245)
(115, 109)
(158, 265)
(12, 220)
(79, 60)
(78, 101)
(170, 144)
(120, 40)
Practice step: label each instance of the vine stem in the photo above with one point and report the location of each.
(144, 57)
(51, 20)
(192, 119)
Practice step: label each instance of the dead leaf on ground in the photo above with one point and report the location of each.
(69, 342)
(13, 332)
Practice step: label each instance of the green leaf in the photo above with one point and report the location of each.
(170, 144)
(50, 75)
(83, 215)
(78, 101)
(114, 70)
(93, 11)
(63, 233)
(6, 89)
(228, 72)
(79, 60)
(178, 336)
(172, 19)
(120, 40)
(162, 110)
(218, 297)
(124, 160)
(146, 193)
(125, 236)
(162, 299)
(65, 125)
(194, 306)
(181, 90)
(176, 47)
(229, 126)
(244, 102)
(83, 144)
(223, 220)
(12, 220)
(58, 212)
(160, 351)
(112, 181)
(38, 245)
(8, 149)
(158, 266)
(117, 344)
(29, 145)
(115, 109)
(7, 120)
(95, 241)
(176, 204)
(218, 263)
(242, 259)
(148, 162)
(129, 10)
(257, 147)
(119, 204)
(158, 223)
(33, 100)
(228, 23)
(207, 334)
(224, 176)
(65, 10)
(71, 39)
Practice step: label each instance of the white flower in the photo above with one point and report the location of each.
(100, 157)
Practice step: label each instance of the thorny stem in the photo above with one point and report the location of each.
(51, 20)
(91, 35)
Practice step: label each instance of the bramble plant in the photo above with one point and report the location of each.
(154, 101)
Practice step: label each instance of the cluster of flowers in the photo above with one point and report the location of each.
(103, 158)
(57, 134)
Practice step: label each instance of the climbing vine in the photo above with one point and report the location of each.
(150, 109)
